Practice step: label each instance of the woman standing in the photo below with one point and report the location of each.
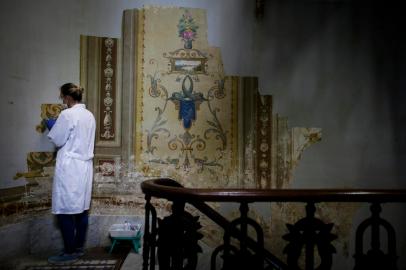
(73, 134)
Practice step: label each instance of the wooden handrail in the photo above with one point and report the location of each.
(302, 234)
(172, 190)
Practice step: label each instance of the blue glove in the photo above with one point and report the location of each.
(50, 123)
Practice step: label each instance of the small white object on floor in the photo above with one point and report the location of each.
(124, 230)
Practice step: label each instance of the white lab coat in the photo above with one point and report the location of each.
(73, 134)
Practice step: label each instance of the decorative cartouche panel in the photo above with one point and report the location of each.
(107, 173)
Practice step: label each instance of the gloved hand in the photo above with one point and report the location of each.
(50, 123)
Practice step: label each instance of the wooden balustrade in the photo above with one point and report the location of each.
(175, 239)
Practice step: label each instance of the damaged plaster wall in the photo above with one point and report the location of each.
(339, 65)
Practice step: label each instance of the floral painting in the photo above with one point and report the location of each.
(187, 29)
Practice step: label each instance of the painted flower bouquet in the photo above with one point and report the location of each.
(187, 29)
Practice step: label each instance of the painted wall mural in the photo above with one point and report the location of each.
(183, 117)
(37, 164)
(164, 107)
(48, 111)
(184, 127)
(197, 125)
(37, 161)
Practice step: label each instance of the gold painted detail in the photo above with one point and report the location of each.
(39, 160)
(107, 131)
(36, 161)
(30, 174)
(187, 61)
(139, 82)
(48, 111)
(264, 141)
(186, 142)
(302, 138)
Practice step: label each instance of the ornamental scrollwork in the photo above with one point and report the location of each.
(157, 90)
(187, 102)
(48, 111)
(108, 72)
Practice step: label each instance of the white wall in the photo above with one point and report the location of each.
(40, 51)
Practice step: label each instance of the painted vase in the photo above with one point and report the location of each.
(188, 44)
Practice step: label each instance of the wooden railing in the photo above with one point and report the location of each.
(175, 238)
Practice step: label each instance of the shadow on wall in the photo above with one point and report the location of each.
(339, 65)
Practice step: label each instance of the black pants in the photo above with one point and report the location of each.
(73, 228)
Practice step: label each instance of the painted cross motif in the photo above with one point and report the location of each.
(187, 102)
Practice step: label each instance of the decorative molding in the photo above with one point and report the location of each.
(264, 141)
(247, 131)
(107, 174)
(101, 76)
(187, 61)
(234, 137)
(128, 84)
(107, 166)
(283, 143)
(108, 90)
(139, 41)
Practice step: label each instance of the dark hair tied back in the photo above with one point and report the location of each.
(70, 89)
